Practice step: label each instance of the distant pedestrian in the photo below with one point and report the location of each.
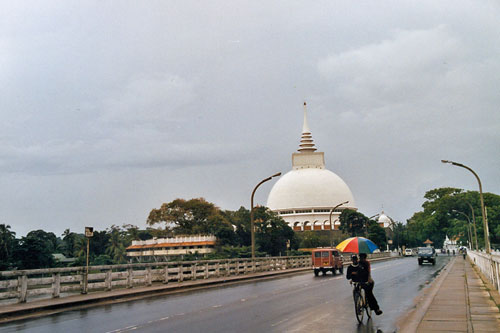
(448, 251)
(453, 252)
(464, 252)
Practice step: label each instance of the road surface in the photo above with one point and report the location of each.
(298, 303)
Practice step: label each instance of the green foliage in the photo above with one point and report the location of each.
(7, 242)
(102, 259)
(241, 220)
(377, 234)
(229, 252)
(272, 233)
(313, 239)
(353, 223)
(194, 217)
(99, 243)
(32, 252)
(115, 248)
(69, 239)
(48, 238)
(440, 217)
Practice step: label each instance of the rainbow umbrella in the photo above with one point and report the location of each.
(357, 245)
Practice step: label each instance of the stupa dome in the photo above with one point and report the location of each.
(309, 188)
(384, 219)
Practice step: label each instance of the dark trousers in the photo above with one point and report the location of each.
(372, 301)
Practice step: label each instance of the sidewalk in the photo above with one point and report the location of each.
(460, 303)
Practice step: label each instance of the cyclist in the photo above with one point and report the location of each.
(360, 271)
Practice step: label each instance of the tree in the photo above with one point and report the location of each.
(49, 238)
(116, 249)
(7, 241)
(194, 217)
(377, 234)
(353, 223)
(99, 243)
(69, 239)
(273, 234)
(312, 239)
(81, 247)
(32, 252)
(439, 217)
(241, 220)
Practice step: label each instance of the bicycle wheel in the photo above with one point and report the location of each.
(358, 306)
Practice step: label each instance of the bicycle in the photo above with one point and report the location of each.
(360, 303)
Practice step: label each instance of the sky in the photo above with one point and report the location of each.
(111, 108)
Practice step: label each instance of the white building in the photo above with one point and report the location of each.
(450, 244)
(163, 248)
(304, 196)
(385, 221)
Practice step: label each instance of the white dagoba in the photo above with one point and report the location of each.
(384, 221)
(304, 196)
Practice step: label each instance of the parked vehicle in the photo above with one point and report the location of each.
(426, 254)
(327, 259)
(408, 253)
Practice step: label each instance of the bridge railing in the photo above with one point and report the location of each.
(489, 265)
(60, 282)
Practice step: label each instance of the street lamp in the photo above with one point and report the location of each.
(252, 227)
(468, 225)
(474, 221)
(483, 210)
(330, 218)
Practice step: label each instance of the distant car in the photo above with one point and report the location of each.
(427, 254)
(327, 259)
(408, 253)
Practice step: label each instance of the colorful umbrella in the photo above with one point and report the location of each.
(357, 245)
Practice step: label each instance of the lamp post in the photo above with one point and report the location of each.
(89, 232)
(474, 221)
(468, 225)
(330, 218)
(252, 227)
(483, 210)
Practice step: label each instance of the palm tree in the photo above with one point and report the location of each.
(7, 239)
(69, 242)
(116, 249)
(80, 247)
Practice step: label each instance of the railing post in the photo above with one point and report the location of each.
(217, 269)
(165, 280)
(181, 272)
(22, 286)
(193, 272)
(207, 271)
(149, 278)
(109, 277)
(83, 282)
(130, 277)
(56, 285)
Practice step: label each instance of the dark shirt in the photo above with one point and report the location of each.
(366, 265)
(357, 273)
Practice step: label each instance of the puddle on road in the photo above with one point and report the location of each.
(432, 278)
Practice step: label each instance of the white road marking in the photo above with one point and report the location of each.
(164, 318)
(216, 306)
(279, 322)
(243, 300)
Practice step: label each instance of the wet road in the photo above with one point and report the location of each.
(299, 303)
